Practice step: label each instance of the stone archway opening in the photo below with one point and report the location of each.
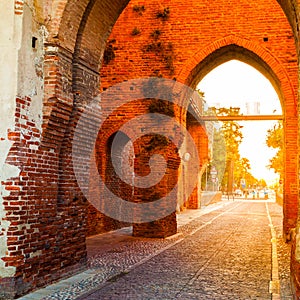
(285, 95)
(86, 74)
(108, 159)
(85, 71)
(231, 88)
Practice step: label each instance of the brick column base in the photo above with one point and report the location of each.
(194, 200)
(295, 270)
(161, 228)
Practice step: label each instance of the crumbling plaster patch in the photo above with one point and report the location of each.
(10, 26)
(21, 74)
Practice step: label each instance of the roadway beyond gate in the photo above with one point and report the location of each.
(229, 250)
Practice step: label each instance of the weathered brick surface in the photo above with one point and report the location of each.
(189, 46)
(49, 217)
(199, 135)
(295, 270)
(144, 43)
(45, 239)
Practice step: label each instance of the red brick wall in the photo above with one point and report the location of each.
(141, 156)
(197, 36)
(47, 211)
(45, 239)
(295, 269)
(200, 138)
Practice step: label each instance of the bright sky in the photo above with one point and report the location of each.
(234, 84)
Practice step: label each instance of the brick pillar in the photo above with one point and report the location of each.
(194, 199)
(290, 193)
(144, 150)
(199, 135)
(295, 265)
(161, 228)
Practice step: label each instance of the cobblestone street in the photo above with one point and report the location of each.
(223, 251)
(227, 255)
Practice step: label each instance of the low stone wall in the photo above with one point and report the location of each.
(210, 197)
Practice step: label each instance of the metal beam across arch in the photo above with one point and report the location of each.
(243, 118)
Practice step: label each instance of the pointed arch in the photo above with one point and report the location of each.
(233, 47)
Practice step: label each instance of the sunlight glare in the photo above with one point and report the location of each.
(237, 84)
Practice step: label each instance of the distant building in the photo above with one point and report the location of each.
(253, 108)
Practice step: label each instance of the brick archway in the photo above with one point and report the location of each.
(64, 17)
(72, 53)
(233, 47)
(54, 207)
(79, 74)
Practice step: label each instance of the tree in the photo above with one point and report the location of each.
(226, 155)
(262, 183)
(275, 140)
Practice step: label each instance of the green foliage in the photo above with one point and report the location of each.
(219, 154)
(275, 140)
(164, 50)
(135, 31)
(162, 107)
(156, 34)
(164, 15)
(226, 153)
(109, 52)
(262, 183)
(157, 142)
(275, 136)
(139, 9)
(231, 132)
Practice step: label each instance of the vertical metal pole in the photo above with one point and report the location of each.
(206, 177)
(230, 178)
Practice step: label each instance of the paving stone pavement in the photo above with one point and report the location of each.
(229, 258)
(224, 252)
